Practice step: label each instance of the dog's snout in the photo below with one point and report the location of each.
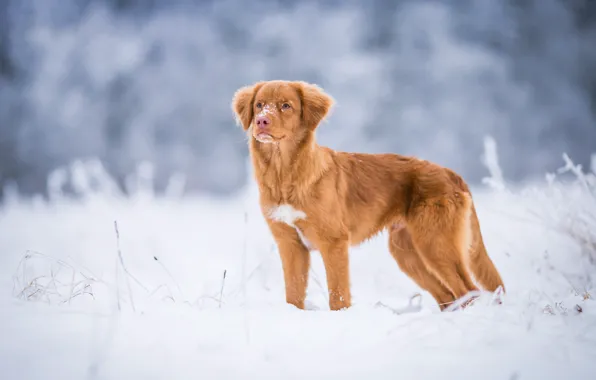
(263, 121)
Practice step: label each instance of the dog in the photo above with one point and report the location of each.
(316, 198)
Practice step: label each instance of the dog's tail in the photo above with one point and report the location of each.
(480, 264)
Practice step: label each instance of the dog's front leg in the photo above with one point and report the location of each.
(336, 260)
(295, 260)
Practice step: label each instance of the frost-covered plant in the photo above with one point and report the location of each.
(89, 178)
(40, 277)
(567, 204)
(572, 206)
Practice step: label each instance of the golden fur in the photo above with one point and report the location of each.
(332, 200)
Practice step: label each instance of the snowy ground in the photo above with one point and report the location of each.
(68, 310)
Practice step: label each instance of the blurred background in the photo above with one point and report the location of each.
(133, 81)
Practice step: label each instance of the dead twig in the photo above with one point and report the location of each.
(223, 281)
(132, 303)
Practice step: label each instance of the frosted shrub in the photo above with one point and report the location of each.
(567, 204)
(570, 205)
(40, 277)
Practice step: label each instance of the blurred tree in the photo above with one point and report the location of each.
(146, 80)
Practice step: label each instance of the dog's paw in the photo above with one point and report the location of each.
(473, 298)
(464, 302)
(497, 296)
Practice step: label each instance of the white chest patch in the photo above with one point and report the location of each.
(305, 241)
(286, 214)
(289, 215)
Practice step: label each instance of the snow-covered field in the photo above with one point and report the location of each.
(72, 307)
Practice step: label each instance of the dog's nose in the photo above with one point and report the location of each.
(263, 121)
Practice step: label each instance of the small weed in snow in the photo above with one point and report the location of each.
(40, 277)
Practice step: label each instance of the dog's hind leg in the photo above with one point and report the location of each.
(480, 264)
(409, 261)
(442, 235)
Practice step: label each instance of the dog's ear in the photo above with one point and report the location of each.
(316, 104)
(242, 104)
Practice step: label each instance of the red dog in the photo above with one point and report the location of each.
(313, 197)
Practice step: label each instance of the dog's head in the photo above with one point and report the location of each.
(274, 111)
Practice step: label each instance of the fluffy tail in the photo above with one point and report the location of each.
(480, 264)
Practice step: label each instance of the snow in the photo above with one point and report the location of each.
(267, 109)
(70, 308)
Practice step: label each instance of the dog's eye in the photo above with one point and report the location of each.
(285, 106)
(259, 105)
